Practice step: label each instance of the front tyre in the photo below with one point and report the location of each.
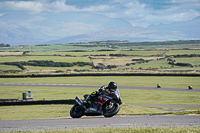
(77, 111)
(111, 109)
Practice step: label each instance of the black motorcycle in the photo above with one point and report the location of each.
(107, 105)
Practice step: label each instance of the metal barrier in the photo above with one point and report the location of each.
(69, 101)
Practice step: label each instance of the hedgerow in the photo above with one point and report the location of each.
(45, 63)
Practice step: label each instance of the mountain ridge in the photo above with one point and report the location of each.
(33, 29)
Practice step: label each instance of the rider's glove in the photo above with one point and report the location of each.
(102, 88)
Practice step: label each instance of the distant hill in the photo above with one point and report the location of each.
(31, 29)
(187, 30)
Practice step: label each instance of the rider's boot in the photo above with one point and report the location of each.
(100, 109)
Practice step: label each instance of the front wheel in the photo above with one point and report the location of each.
(111, 109)
(77, 111)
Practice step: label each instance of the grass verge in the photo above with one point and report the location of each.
(125, 130)
(63, 111)
(128, 95)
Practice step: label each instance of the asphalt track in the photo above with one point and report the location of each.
(93, 122)
(97, 86)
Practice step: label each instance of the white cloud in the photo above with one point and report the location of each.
(140, 14)
(1, 14)
(184, 1)
(133, 11)
(46, 6)
(29, 6)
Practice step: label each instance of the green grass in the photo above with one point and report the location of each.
(56, 47)
(8, 67)
(43, 93)
(163, 64)
(10, 53)
(159, 97)
(56, 93)
(146, 81)
(123, 130)
(73, 53)
(182, 52)
(136, 130)
(107, 60)
(63, 111)
(53, 58)
(95, 47)
(181, 69)
(30, 68)
(128, 95)
(34, 112)
(59, 111)
(119, 61)
(160, 64)
(150, 65)
(194, 61)
(142, 53)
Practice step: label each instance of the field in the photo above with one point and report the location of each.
(108, 45)
(52, 53)
(182, 52)
(10, 53)
(105, 57)
(104, 62)
(53, 58)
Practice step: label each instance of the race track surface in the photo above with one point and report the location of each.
(92, 122)
(97, 86)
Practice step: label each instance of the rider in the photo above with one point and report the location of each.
(112, 86)
(190, 87)
(158, 86)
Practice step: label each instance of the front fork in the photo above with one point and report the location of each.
(78, 100)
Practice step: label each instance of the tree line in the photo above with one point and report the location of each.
(186, 55)
(4, 45)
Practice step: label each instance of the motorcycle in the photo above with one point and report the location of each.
(106, 105)
(190, 87)
(158, 86)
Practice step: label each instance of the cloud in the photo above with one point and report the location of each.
(29, 6)
(142, 14)
(184, 1)
(137, 12)
(36, 6)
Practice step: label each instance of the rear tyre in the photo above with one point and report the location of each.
(111, 109)
(77, 111)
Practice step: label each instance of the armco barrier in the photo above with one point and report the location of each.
(69, 101)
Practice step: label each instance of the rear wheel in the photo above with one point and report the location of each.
(111, 109)
(77, 111)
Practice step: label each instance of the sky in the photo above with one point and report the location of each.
(41, 21)
(142, 13)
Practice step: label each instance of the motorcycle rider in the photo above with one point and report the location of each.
(190, 87)
(112, 86)
(158, 86)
